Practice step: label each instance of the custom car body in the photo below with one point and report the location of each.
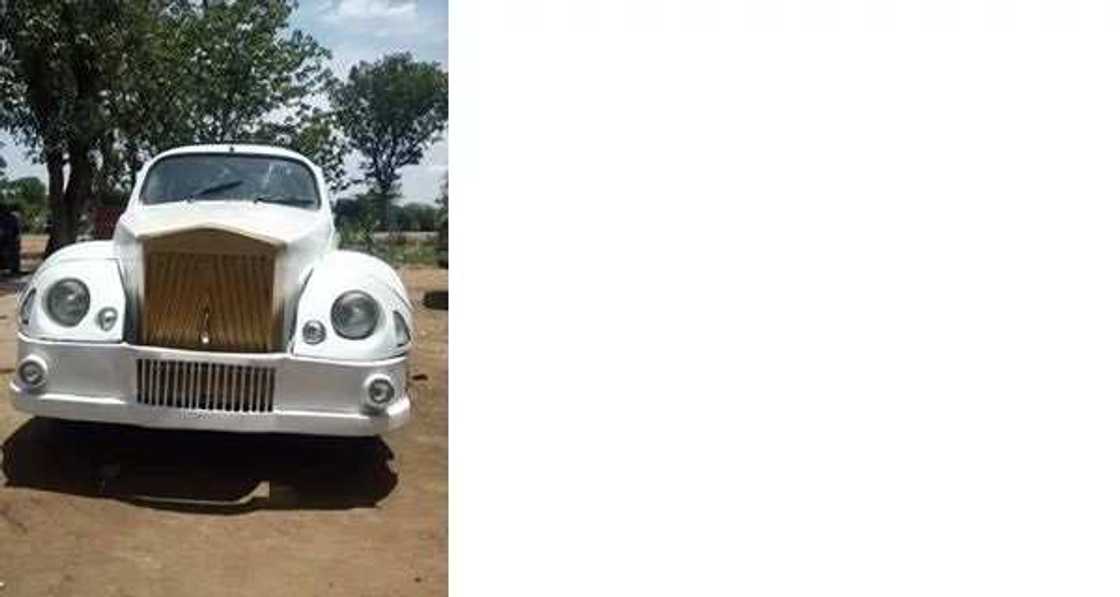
(222, 302)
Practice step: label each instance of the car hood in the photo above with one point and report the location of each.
(276, 224)
(301, 237)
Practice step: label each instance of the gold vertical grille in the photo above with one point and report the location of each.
(210, 292)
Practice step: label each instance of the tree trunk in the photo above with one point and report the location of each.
(386, 191)
(66, 214)
(55, 201)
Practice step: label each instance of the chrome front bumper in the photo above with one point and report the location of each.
(98, 382)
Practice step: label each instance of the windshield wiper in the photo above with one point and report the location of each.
(214, 189)
(283, 199)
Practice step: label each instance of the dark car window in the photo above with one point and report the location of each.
(222, 177)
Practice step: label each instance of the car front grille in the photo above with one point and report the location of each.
(205, 386)
(210, 290)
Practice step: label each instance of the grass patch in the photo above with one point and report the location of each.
(398, 250)
(423, 253)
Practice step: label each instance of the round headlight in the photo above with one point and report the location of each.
(354, 315)
(68, 302)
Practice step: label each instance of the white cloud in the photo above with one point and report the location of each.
(363, 11)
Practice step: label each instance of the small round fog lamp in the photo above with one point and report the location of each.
(32, 373)
(314, 332)
(381, 391)
(106, 318)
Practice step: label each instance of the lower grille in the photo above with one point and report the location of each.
(205, 386)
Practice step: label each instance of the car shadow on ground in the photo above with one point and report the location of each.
(198, 471)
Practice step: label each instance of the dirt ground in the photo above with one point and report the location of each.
(90, 510)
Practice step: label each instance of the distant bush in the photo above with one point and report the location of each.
(416, 217)
(409, 253)
(28, 196)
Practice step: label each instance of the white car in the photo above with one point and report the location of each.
(222, 302)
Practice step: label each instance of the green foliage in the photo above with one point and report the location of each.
(416, 217)
(11, 104)
(62, 59)
(42, 43)
(423, 252)
(391, 111)
(97, 87)
(29, 196)
(358, 224)
(102, 86)
(224, 73)
(236, 67)
(359, 218)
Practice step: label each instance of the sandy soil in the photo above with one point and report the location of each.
(111, 510)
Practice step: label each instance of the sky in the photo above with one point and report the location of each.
(353, 30)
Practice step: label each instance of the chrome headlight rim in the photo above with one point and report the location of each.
(314, 332)
(49, 300)
(403, 334)
(32, 363)
(380, 391)
(107, 318)
(26, 305)
(341, 310)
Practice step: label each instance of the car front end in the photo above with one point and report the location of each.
(220, 314)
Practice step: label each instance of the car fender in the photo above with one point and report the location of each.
(94, 264)
(342, 271)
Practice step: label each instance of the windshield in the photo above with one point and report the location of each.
(230, 177)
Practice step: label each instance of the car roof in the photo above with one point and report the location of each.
(237, 148)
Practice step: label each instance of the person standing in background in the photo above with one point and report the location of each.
(10, 240)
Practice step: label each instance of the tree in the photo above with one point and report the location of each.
(10, 94)
(68, 63)
(226, 72)
(392, 111)
(61, 57)
(103, 86)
